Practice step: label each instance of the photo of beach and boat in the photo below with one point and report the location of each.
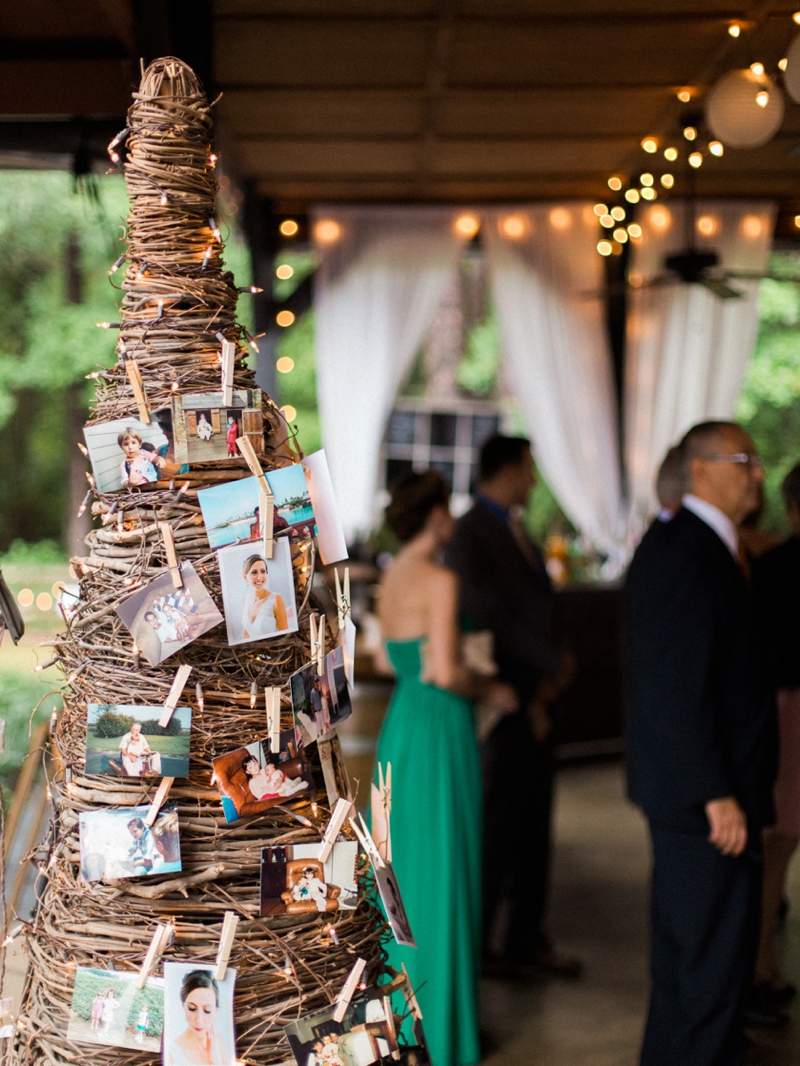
(232, 515)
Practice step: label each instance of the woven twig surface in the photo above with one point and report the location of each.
(173, 255)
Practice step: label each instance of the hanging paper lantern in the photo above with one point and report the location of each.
(744, 109)
(791, 76)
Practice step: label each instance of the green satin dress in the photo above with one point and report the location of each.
(429, 738)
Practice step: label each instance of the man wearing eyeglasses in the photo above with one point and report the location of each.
(702, 751)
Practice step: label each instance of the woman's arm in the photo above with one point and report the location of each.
(445, 668)
(280, 612)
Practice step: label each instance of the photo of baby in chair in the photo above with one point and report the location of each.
(294, 881)
(251, 781)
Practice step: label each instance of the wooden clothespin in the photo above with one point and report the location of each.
(228, 356)
(388, 1017)
(316, 623)
(381, 803)
(342, 597)
(158, 800)
(333, 828)
(135, 378)
(410, 995)
(167, 535)
(348, 990)
(266, 511)
(272, 698)
(162, 937)
(245, 446)
(171, 702)
(229, 924)
(366, 842)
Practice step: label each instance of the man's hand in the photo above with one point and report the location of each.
(728, 825)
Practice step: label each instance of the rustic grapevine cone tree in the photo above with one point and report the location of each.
(178, 300)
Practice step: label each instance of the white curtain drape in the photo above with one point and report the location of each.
(687, 349)
(544, 268)
(382, 275)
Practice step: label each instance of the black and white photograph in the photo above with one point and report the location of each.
(341, 706)
(125, 740)
(365, 1034)
(117, 843)
(294, 881)
(206, 429)
(127, 453)
(198, 1015)
(163, 619)
(108, 1008)
(232, 512)
(251, 780)
(258, 593)
(393, 904)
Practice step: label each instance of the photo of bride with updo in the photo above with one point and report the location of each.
(258, 593)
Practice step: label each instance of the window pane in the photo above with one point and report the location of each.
(483, 427)
(445, 469)
(401, 428)
(443, 431)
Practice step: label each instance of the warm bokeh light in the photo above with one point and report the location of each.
(284, 272)
(58, 588)
(607, 221)
(513, 227)
(667, 180)
(684, 96)
(634, 231)
(466, 225)
(288, 227)
(706, 225)
(796, 17)
(616, 248)
(604, 247)
(660, 218)
(649, 194)
(690, 133)
(632, 196)
(620, 235)
(560, 218)
(734, 29)
(670, 154)
(327, 231)
(615, 184)
(646, 179)
(716, 148)
(757, 69)
(783, 63)
(284, 318)
(618, 213)
(600, 209)
(25, 598)
(284, 365)
(752, 226)
(762, 98)
(797, 221)
(650, 144)
(44, 601)
(695, 160)
(288, 412)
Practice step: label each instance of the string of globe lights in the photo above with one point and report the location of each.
(743, 109)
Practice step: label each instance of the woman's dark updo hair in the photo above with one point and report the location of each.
(199, 979)
(413, 497)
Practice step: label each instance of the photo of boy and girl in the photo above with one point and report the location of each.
(206, 428)
(127, 453)
(198, 1016)
(108, 1008)
(232, 512)
(365, 1034)
(126, 740)
(250, 781)
(163, 619)
(118, 843)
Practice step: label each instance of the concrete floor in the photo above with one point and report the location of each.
(599, 912)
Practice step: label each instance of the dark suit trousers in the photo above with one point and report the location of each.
(705, 919)
(518, 781)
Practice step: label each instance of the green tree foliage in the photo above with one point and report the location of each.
(770, 404)
(111, 724)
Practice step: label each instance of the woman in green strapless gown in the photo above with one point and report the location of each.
(429, 738)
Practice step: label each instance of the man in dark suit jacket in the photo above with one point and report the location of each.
(505, 588)
(701, 745)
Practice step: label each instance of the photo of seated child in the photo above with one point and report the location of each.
(127, 453)
(119, 843)
(251, 781)
(294, 881)
(141, 463)
(366, 1034)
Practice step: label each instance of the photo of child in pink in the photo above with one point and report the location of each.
(268, 781)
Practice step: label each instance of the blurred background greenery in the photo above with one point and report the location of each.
(57, 243)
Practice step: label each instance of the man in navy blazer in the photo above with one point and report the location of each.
(702, 751)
